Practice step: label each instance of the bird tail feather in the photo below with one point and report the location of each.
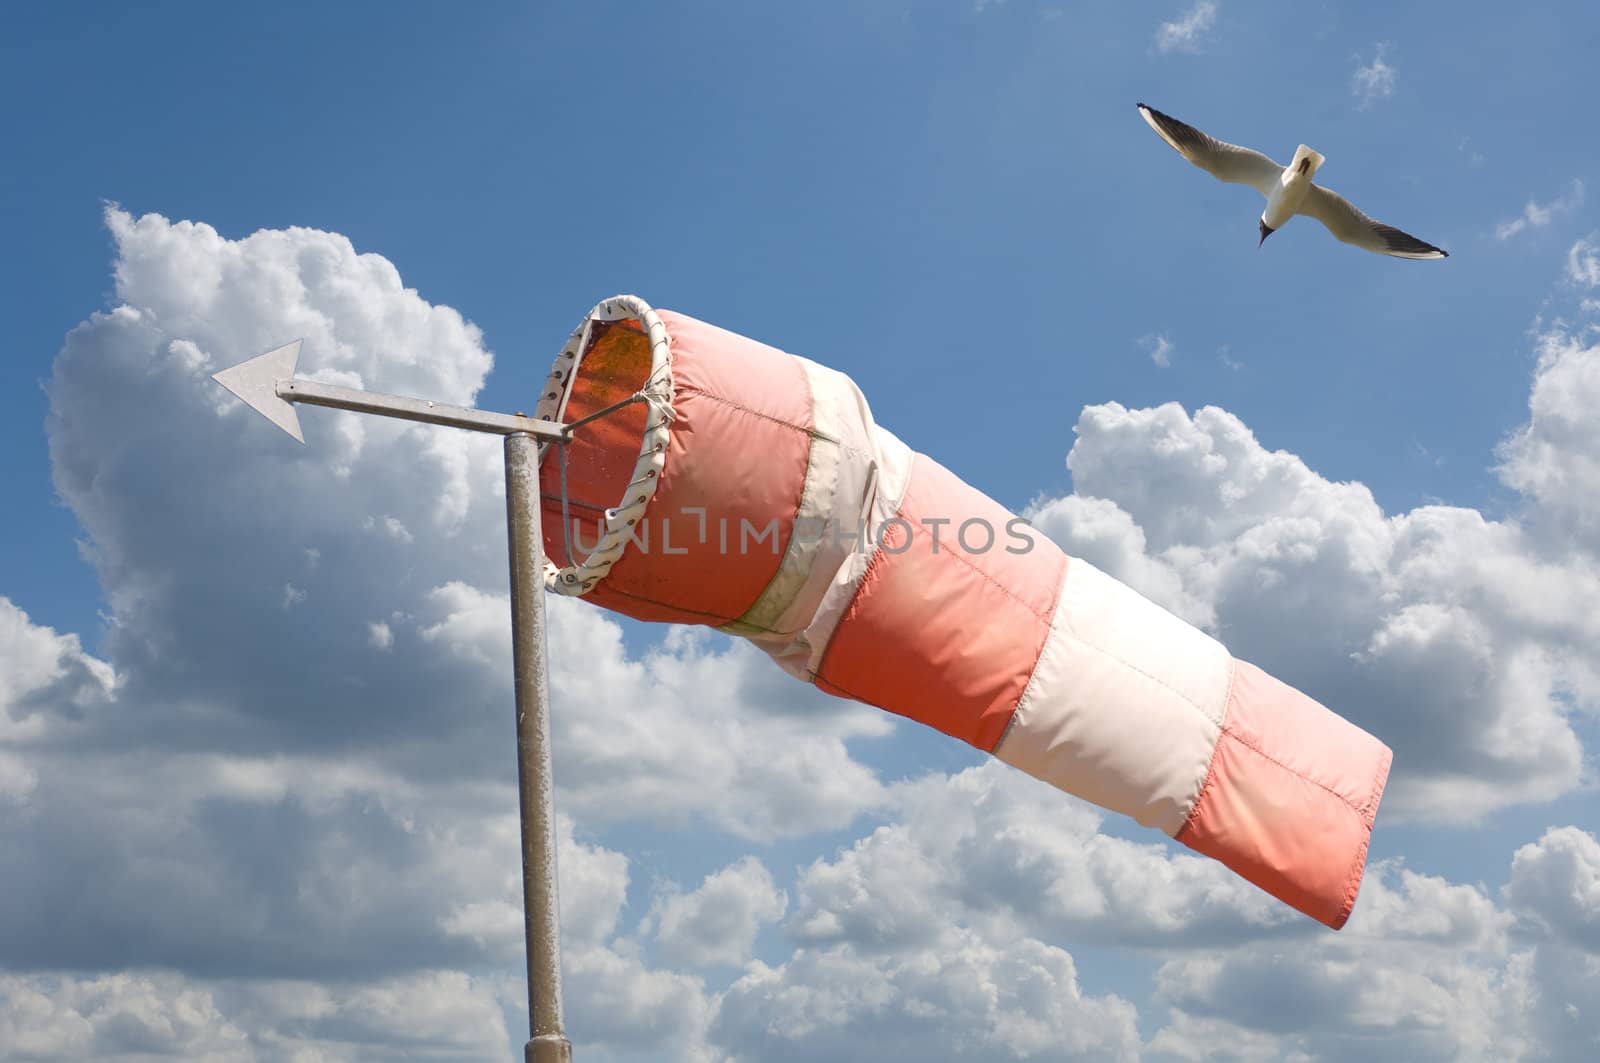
(1302, 153)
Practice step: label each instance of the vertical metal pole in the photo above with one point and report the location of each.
(547, 1041)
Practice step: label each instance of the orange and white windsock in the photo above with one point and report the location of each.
(716, 480)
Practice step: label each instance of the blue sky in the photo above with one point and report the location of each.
(956, 204)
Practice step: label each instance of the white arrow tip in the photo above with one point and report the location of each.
(256, 382)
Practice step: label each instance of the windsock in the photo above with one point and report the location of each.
(711, 479)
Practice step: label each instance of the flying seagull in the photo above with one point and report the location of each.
(1288, 189)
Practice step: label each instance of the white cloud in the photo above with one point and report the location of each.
(17, 780)
(997, 850)
(614, 1000)
(437, 1015)
(329, 853)
(1375, 80)
(1159, 348)
(248, 794)
(1538, 215)
(1184, 33)
(619, 1001)
(718, 922)
(1554, 459)
(779, 764)
(623, 1005)
(1425, 969)
(1099, 529)
(46, 680)
(962, 997)
(938, 935)
(202, 639)
(114, 1017)
(1555, 883)
(935, 937)
(1583, 263)
(397, 530)
(1460, 641)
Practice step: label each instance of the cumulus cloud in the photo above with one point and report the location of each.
(1554, 459)
(717, 923)
(405, 521)
(780, 746)
(238, 790)
(1186, 32)
(1555, 883)
(961, 998)
(1028, 858)
(1375, 80)
(114, 1017)
(621, 1002)
(47, 681)
(1538, 215)
(437, 1015)
(1460, 640)
(938, 935)
(1426, 969)
(323, 859)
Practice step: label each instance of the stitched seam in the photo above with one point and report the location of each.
(1369, 810)
(1351, 805)
(1211, 765)
(900, 514)
(791, 560)
(669, 605)
(1353, 877)
(1157, 680)
(844, 616)
(877, 559)
(866, 574)
(996, 584)
(680, 388)
(1352, 881)
(1055, 616)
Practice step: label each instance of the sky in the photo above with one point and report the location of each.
(257, 775)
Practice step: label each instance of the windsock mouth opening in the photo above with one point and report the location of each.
(612, 385)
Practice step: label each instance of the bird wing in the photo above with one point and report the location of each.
(1224, 161)
(1347, 223)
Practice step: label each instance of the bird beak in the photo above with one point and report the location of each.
(1265, 232)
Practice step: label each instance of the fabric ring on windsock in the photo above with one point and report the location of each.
(716, 480)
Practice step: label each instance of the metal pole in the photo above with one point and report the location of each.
(268, 385)
(541, 910)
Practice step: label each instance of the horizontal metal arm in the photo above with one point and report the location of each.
(314, 394)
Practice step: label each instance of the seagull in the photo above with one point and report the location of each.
(1288, 189)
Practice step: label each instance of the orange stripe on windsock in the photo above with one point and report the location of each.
(947, 634)
(1290, 797)
(715, 532)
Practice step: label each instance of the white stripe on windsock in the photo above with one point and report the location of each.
(1125, 705)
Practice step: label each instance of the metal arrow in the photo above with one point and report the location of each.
(267, 384)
